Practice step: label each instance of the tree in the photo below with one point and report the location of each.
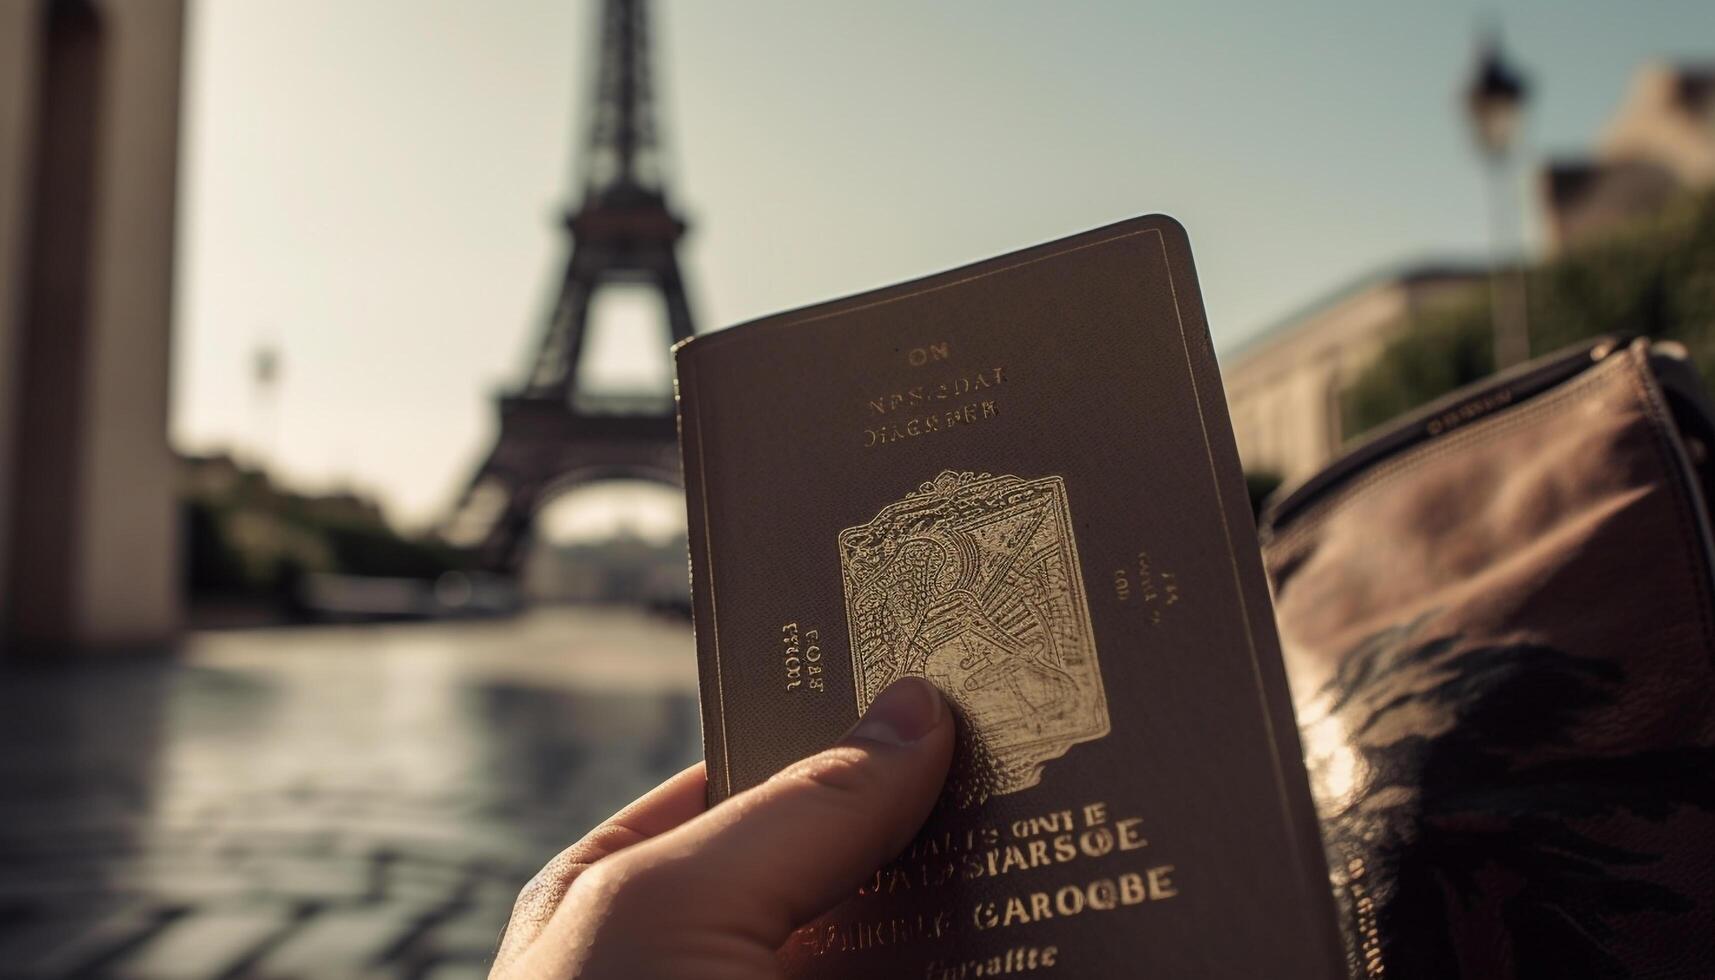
(1653, 278)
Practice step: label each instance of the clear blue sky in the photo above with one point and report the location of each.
(372, 185)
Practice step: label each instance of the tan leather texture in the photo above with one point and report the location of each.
(1499, 638)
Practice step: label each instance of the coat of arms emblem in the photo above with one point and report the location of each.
(973, 582)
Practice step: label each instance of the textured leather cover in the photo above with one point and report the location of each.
(1497, 619)
(1017, 479)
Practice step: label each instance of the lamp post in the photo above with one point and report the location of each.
(265, 375)
(1495, 100)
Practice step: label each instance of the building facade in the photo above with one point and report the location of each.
(1284, 388)
(1659, 145)
(89, 147)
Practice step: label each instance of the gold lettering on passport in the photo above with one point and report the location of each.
(820, 939)
(1038, 845)
(951, 389)
(973, 582)
(1101, 895)
(1158, 589)
(919, 356)
(1018, 959)
(919, 410)
(802, 658)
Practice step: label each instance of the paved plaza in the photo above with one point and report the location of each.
(321, 802)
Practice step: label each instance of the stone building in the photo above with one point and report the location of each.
(89, 145)
(1659, 145)
(1284, 387)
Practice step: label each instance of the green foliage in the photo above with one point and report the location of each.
(1655, 278)
(381, 551)
(245, 537)
(1443, 351)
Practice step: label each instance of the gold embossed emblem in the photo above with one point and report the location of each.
(973, 583)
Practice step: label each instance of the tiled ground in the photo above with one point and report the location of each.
(326, 802)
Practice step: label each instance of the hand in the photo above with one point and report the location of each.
(664, 889)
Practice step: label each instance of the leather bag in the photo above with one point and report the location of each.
(1498, 621)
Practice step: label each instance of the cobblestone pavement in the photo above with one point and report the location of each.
(324, 802)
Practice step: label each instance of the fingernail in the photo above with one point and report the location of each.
(907, 710)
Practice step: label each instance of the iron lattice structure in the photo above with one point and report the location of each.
(552, 435)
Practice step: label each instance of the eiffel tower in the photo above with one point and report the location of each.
(554, 436)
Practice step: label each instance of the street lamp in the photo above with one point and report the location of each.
(1495, 99)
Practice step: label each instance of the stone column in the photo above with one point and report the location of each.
(92, 536)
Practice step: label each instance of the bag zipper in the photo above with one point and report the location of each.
(1450, 412)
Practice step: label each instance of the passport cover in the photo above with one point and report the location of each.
(1018, 480)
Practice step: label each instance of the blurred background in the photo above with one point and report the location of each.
(342, 562)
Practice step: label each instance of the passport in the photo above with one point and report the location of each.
(1018, 480)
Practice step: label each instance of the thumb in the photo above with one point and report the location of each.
(776, 856)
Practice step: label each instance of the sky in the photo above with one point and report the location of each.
(372, 187)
